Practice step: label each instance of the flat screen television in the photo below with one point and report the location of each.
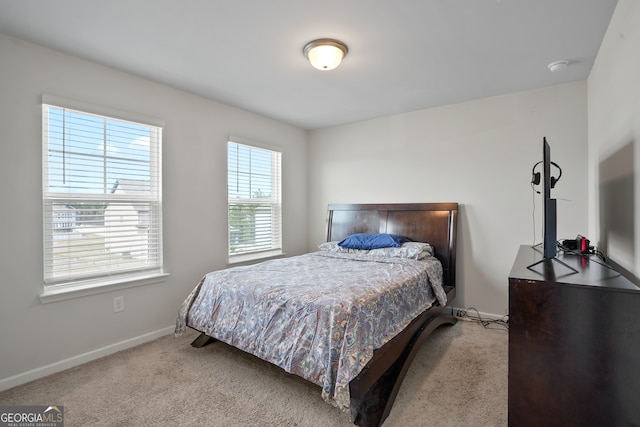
(550, 208)
(550, 240)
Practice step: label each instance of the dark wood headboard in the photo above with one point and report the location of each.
(434, 223)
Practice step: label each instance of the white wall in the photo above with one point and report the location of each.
(614, 141)
(38, 338)
(478, 154)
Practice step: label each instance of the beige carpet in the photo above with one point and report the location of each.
(459, 378)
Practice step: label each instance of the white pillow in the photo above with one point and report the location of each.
(413, 250)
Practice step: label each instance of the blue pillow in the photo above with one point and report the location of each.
(373, 241)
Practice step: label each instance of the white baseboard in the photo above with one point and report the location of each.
(488, 316)
(37, 373)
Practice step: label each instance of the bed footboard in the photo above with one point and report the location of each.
(374, 390)
(370, 407)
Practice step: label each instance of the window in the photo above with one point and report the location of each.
(101, 197)
(254, 202)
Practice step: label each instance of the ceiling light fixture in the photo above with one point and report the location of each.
(558, 65)
(325, 54)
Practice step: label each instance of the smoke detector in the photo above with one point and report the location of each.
(558, 65)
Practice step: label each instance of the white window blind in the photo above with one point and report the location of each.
(101, 197)
(254, 197)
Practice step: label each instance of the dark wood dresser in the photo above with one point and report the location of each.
(574, 343)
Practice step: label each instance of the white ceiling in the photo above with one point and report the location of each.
(404, 55)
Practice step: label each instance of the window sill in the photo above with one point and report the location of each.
(260, 256)
(82, 289)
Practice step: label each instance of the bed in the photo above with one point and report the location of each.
(333, 316)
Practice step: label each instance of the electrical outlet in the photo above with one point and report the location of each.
(118, 304)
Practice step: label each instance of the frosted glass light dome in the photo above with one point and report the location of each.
(325, 54)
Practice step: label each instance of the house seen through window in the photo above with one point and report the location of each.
(101, 197)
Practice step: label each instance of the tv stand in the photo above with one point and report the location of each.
(546, 268)
(544, 260)
(574, 343)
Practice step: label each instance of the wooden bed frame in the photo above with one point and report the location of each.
(374, 390)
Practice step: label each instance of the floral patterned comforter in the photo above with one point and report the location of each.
(319, 315)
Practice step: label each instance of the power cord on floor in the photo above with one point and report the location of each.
(502, 323)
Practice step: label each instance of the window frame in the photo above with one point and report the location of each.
(276, 205)
(56, 289)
